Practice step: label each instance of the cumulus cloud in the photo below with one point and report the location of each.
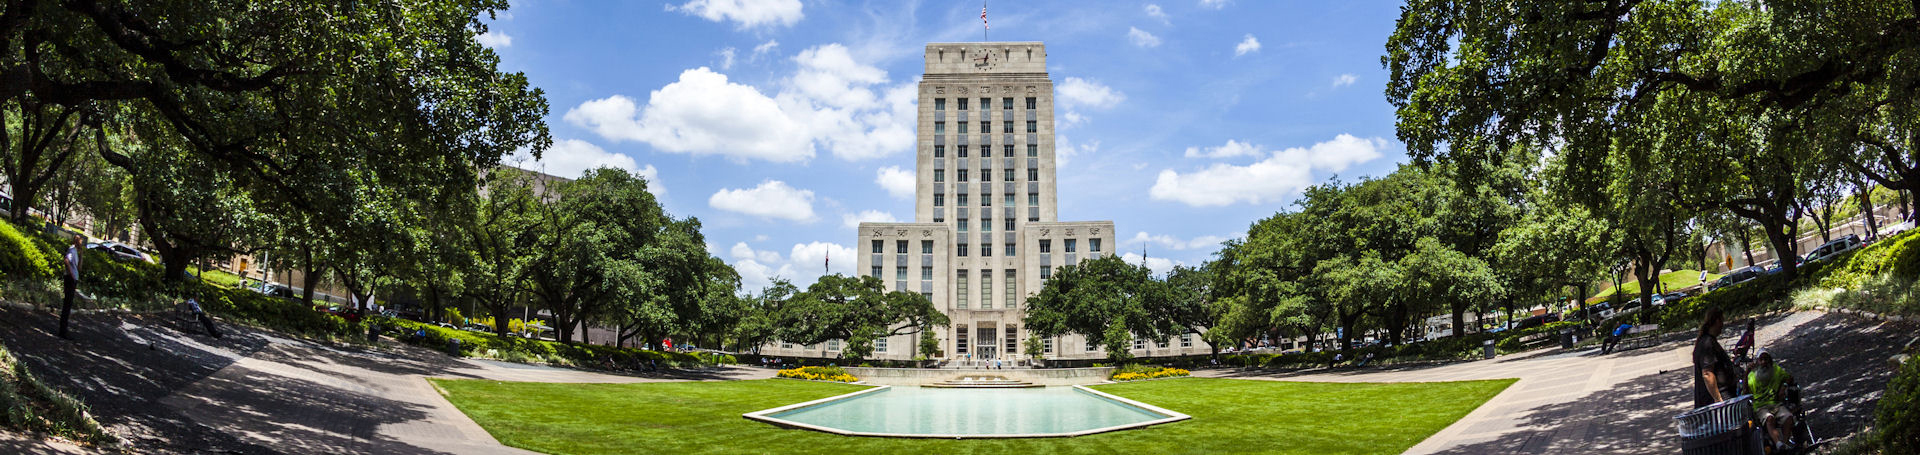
(898, 182)
(772, 199)
(571, 158)
(1250, 44)
(802, 265)
(1214, 4)
(494, 39)
(1232, 149)
(1154, 11)
(742, 252)
(1281, 174)
(1159, 265)
(1064, 150)
(1176, 243)
(1142, 38)
(1077, 92)
(1344, 80)
(853, 220)
(831, 101)
(745, 13)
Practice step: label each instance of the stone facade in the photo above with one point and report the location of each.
(986, 232)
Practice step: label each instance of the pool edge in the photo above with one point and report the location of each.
(766, 415)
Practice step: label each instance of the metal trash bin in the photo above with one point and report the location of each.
(1489, 345)
(1724, 428)
(1566, 338)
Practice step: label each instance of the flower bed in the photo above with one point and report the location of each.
(1137, 372)
(834, 374)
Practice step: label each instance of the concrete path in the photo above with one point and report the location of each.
(168, 389)
(1584, 402)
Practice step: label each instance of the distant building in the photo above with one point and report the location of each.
(985, 233)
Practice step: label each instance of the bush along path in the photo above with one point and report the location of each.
(32, 406)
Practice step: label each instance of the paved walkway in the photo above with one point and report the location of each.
(1584, 402)
(168, 389)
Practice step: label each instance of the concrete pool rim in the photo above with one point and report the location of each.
(767, 416)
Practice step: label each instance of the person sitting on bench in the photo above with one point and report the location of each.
(1769, 384)
(1613, 339)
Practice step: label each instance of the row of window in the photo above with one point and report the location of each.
(986, 200)
(1033, 126)
(940, 175)
(879, 345)
(940, 104)
(900, 246)
(1012, 340)
(986, 150)
(1093, 245)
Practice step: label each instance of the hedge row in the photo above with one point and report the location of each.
(516, 349)
(1897, 256)
(25, 256)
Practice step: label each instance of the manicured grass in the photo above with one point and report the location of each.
(1229, 416)
(1673, 280)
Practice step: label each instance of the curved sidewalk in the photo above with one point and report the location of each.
(1623, 403)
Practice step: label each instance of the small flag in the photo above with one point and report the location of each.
(983, 16)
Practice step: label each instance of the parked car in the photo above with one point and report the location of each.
(268, 288)
(1741, 275)
(6, 203)
(120, 251)
(1835, 248)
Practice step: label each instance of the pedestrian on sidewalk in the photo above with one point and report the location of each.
(72, 282)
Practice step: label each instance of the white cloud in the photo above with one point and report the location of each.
(1344, 80)
(853, 220)
(1142, 38)
(742, 252)
(830, 101)
(898, 182)
(1281, 174)
(1176, 243)
(764, 48)
(1159, 265)
(1232, 149)
(809, 257)
(1215, 4)
(569, 158)
(1071, 119)
(747, 13)
(1250, 44)
(494, 39)
(760, 238)
(726, 59)
(1075, 92)
(1154, 11)
(653, 180)
(802, 265)
(1064, 150)
(772, 199)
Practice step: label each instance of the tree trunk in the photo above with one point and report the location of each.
(1746, 245)
(1865, 197)
(1346, 329)
(1459, 319)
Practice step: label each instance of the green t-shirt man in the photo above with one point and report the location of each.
(1766, 387)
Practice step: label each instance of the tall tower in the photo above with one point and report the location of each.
(985, 233)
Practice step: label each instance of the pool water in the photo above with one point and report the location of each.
(936, 411)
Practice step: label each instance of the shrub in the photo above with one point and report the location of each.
(834, 374)
(516, 349)
(31, 405)
(23, 256)
(1139, 372)
(1897, 417)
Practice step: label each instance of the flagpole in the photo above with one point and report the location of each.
(983, 21)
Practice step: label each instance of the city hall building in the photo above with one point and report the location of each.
(985, 231)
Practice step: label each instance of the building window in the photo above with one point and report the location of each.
(1186, 340)
(1033, 175)
(961, 285)
(1090, 346)
(986, 224)
(786, 345)
(879, 246)
(1046, 246)
(939, 104)
(1046, 346)
(940, 151)
(1012, 299)
(1010, 245)
(1093, 245)
(876, 272)
(1007, 150)
(833, 345)
(1139, 343)
(1006, 104)
(1033, 150)
(1032, 127)
(963, 221)
(986, 289)
(939, 175)
(1006, 127)
(1033, 198)
(963, 103)
(1009, 220)
(1161, 343)
(960, 337)
(880, 345)
(939, 200)
(926, 272)
(1032, 103)
(1046, 271)
(926, 247)
(963, 177)
(1070, 243)
(986, 250)
(900, 247)
(986, 199)
(963, 128)
(900, 273)
(1013, 339)
(986, 175)
(963, 151)
(1007, 175)
(962, 196)
(986, 127)
(939, 127)
(963, 250)
(985, 104)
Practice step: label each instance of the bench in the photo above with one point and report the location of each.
(1640, 336)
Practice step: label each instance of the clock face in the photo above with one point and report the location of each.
(983, 59)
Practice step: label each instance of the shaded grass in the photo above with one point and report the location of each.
(1229, 416)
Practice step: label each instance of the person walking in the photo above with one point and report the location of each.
(72, 282)
(1715, 377)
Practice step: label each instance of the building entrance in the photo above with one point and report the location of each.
(985, 347)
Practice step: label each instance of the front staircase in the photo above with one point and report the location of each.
(981, 381)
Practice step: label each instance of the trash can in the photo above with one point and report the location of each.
(1489, 344)
(1720, 428)
(1566, 338)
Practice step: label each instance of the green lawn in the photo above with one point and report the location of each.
(1229, 416)
(1673, 280)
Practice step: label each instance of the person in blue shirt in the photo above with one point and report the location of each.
(1613, 339)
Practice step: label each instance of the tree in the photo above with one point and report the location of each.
(1110, 302)
(497, 279)
(857, 310)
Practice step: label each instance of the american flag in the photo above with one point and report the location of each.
(983, 16)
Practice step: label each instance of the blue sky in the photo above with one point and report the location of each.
(780, 123)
